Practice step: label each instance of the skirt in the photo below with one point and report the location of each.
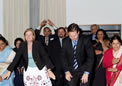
(35, 77)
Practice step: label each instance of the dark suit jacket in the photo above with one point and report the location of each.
(92, 41)
(54, 53)
(41, 38)
(84, 55)
(19, 64)
(39, 55)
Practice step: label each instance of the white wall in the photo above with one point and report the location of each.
(121, 31)
(94, 11)
(1, 16)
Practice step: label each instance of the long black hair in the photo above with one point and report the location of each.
(105, 35)
(4, 40)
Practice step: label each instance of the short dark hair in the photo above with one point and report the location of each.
(95, 25)
(17, 39)
(4, 40)
(116, 37)
(73, 27)
(61, 28)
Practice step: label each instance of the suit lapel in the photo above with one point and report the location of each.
(58, 43)
(78, 45)
(34, 50)
(70, 46)
(26, 52)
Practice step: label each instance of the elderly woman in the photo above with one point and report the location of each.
(6, 57)
(35, 61)
(112, 62)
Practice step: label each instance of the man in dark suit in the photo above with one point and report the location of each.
(47, 36)
(77, 57)
(54, 53)
(92, 36)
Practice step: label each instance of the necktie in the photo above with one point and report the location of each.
(75, 63)
(46, 41)
(60, 41)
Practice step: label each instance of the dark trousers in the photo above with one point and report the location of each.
(60, 80)
(18, 81)
(75, 81)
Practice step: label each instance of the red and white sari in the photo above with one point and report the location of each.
(113, 78)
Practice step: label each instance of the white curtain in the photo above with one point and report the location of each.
(55, 10)
(16, 18)
(1, 16)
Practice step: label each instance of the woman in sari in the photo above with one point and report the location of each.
(112, 62)
(101, 45)
(6, 57)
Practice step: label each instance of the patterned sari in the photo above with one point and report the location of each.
(116, 77)
(6, 57)
(113, 78)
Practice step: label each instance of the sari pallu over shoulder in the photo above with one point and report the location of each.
(6, 58)
(107, 63)
(116, 76)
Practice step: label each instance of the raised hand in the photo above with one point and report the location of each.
(50, 22)
(43, 23)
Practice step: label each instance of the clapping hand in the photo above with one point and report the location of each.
(112, 69)
(115, 60)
